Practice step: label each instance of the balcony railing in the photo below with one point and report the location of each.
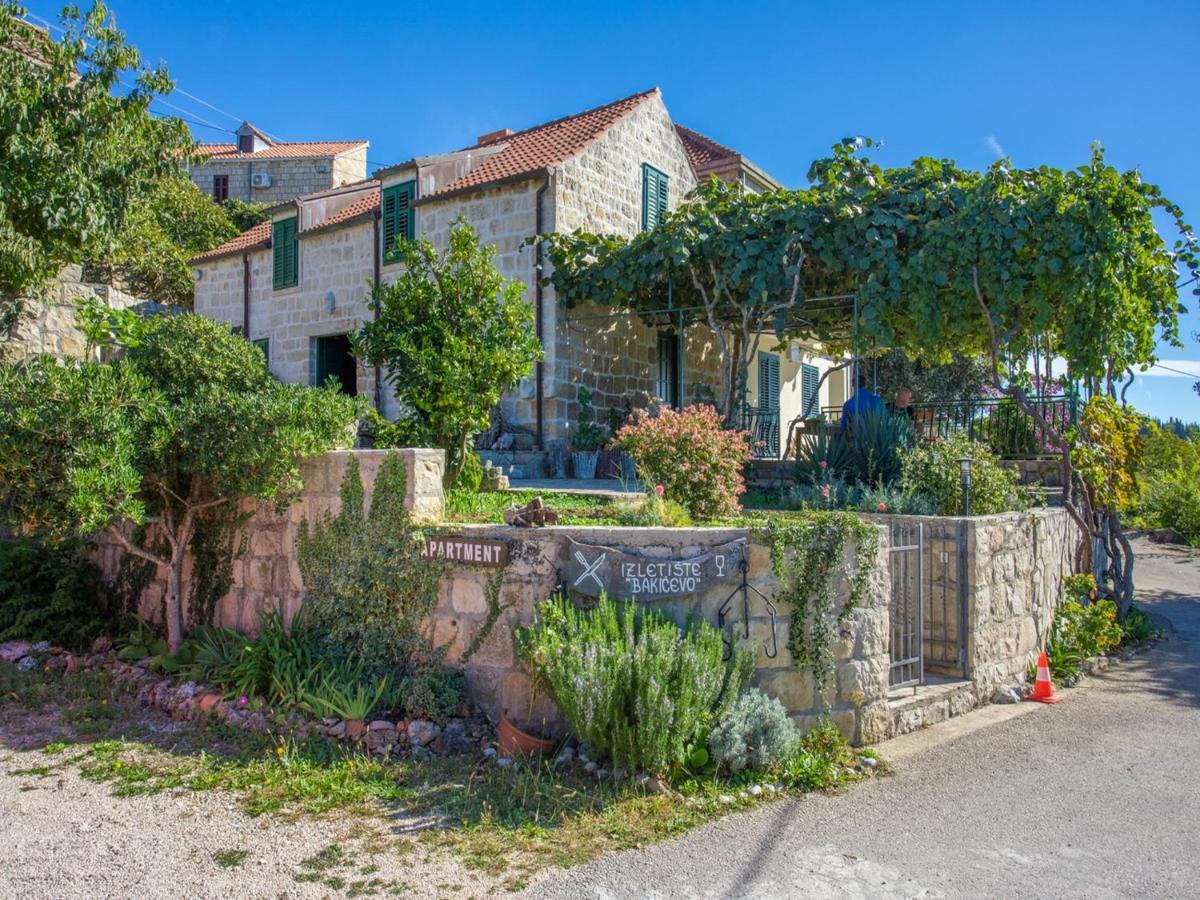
(996, 421)
(763, 425)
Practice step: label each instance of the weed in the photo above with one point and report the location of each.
(230, 859)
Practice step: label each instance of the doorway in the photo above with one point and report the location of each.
(332, 357)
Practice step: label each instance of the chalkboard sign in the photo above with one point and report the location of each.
(591, 570)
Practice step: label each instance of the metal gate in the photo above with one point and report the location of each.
(906, 611)
(928, 601)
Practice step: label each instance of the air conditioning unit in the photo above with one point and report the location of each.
(261, 179)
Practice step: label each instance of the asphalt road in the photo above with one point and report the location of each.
(1097, 796)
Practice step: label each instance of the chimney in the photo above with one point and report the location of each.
(495, 136)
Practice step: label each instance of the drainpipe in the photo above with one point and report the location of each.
(250, 181)
(538, 303)
(246, 296)
(378, 275)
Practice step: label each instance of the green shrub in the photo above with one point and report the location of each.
(755, 734)
(1137, 627)
(878, 442)
(431, 693)
(345, 692)
(1172, 500)
(823, 454)
(470, 479)
(632, 684)
(933, 470)
(367, 586)
(655, 512)
(1089, 630)
(49, 593)
(818, 760)
(892, 499)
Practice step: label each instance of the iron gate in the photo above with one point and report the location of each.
(928, 600)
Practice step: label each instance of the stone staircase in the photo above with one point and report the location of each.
(927, 704)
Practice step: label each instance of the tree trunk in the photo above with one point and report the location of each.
(174, 603)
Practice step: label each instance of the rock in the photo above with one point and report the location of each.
(41, 647)
(422, 732)
(102, 645)
(13, 651)
(1166, 536)
(489, 752)
(355, 729)
(27, 663)
(454, 739)
(566, 754)
(642, 779)
(770, 788)
(601, 772)
(381, 725)
(755, 790)
(657, 786)
(187, 690)
(618, 774)
(870, 762)
(533, 514)
(590, 766)
(503, 762)
(1006, 694)
(726, 798)
(337, 730)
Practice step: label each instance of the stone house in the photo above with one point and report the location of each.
(258, 168)
(298, 285)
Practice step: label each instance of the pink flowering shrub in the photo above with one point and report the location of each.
(697, 463)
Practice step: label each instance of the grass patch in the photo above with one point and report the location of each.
(230, 859)
(573, 509)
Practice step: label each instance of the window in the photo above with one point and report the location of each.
(264, 344)
(285, 248)
(670, 376)
(810, 377)
(654, 195)
(331, 357)
(220, 188)
(397, 220)
(766, 420)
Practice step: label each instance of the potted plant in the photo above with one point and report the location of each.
(614, 462)
(587, 439)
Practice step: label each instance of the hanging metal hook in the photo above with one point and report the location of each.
(744, 589)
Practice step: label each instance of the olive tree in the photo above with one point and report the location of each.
(187, 420)
(453, 335)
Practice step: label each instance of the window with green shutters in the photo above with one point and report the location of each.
(810, 377)
(264, 344)
(285, 251)
(655, 191)
(396, 217)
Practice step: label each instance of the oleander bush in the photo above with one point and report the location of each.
(698, 463)
(631, 683)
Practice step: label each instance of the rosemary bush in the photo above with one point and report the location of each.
(631, 683)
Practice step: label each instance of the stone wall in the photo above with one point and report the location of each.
(48, 322)
(291, 176)
(266, 577)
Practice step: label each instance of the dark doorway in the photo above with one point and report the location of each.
(668, 369)
(331, 357)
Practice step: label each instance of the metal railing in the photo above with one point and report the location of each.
(996, 421)
(763, 425)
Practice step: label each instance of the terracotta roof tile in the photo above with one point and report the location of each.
(535, 149)
(279, 151)
(255, 238)
(705, 154)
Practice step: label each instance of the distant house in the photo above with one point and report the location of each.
(257, 168)
(298, 285)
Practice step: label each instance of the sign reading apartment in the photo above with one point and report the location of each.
(469, 551)
(591, 570)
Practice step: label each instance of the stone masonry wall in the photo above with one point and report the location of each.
(48, 323)
(291, 177)
(267, 576)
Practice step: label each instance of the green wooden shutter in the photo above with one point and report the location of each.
(284, 253)
(397, 219)
(768, 382)
(810, 377)
(655, 195)
(264, 344)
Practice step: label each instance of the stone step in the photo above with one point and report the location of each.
(928, 704)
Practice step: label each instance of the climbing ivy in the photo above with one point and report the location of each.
(805, 554)
(213, 550)
(492, 593)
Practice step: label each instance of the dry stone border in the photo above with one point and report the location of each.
(190, 701)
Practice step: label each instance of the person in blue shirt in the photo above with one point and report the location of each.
(864, 402)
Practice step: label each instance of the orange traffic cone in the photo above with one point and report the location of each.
(1043, 688)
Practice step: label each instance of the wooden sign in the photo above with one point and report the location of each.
(469, 551)
(591, 570)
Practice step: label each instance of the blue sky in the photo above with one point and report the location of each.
(780, 82)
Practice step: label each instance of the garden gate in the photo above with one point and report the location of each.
(928, 600)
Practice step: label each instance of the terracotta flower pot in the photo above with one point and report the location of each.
(515, 742)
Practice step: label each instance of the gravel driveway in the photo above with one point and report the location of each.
(1098, 796)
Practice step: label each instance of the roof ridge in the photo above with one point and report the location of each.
(640, 95)
(696, 135)
(284, 143)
